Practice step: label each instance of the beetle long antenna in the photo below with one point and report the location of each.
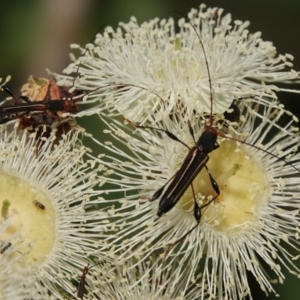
(206, 63)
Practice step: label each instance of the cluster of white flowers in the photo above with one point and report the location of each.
(138, 70)
(194, 189)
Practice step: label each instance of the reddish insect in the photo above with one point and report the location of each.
(43, 102)
(82, 282)
(81, 285)
(29, 108)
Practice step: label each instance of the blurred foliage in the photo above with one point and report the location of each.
(36, 35)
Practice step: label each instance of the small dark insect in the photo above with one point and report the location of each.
(4, 248)
(233, 113)
(81, 286)
(39, 205)
(81, 290)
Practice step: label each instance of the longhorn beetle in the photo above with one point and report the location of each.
(10, 112)
(51, 105)
(42, 115)
(194, 162)
(196, 159)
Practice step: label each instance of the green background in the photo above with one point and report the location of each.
(35, 34)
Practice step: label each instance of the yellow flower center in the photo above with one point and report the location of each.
(31, 218)
(242, 184)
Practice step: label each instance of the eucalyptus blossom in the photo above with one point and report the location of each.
(138, 70)
(254, 217)
(46, 230)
